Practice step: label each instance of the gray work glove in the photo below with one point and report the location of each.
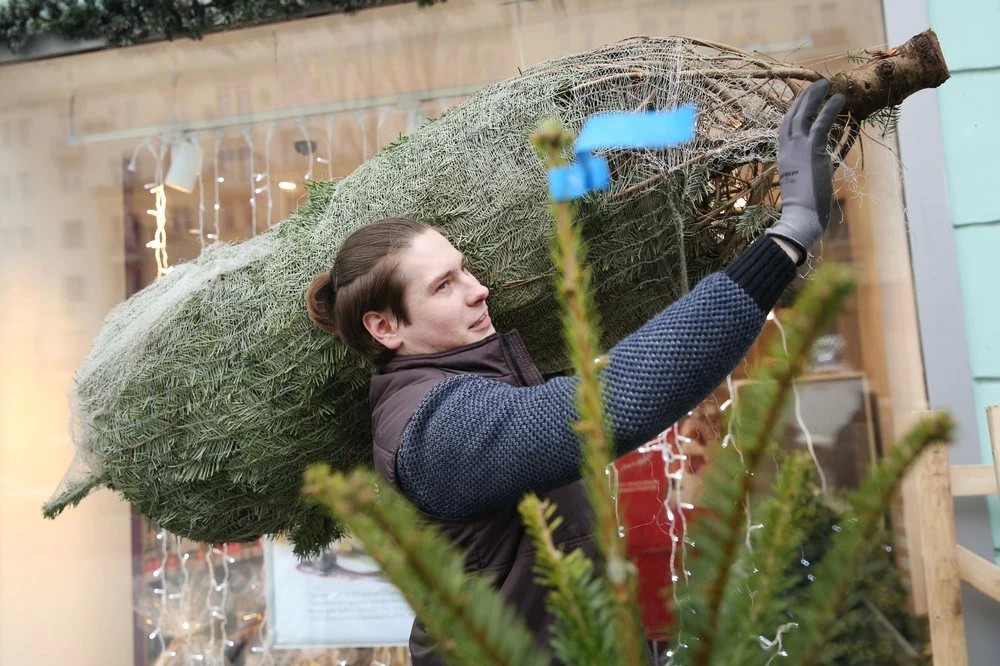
(804, 167)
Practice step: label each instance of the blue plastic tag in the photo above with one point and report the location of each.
(650, 130)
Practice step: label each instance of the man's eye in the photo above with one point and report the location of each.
(444, 285)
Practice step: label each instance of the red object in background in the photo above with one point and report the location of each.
(642, 489)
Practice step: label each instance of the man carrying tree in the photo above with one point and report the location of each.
(464, 424)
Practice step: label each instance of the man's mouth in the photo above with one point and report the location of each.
(479, 322)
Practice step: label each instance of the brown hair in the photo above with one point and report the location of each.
(364, 277)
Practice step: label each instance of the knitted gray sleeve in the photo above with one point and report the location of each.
(475, 444)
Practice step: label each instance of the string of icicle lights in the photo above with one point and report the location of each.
(672, 447)
(184, 607)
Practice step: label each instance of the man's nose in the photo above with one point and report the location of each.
(477, 291)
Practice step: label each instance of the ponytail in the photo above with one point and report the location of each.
(320, 300)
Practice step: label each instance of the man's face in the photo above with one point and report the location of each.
(445, 304)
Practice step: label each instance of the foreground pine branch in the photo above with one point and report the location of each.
(579, 600)
(582, 338)
(779, 539)
(730, 477)
(839, 567)
(465, 613)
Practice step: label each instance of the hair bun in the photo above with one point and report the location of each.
(320, 299)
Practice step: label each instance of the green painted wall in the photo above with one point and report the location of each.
(969, 31)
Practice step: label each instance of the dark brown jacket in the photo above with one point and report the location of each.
(496, 542)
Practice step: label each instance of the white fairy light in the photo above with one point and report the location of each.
(159, 210)
(382, 113)
(414, 116)
(157, 633)
(329, 146)
(775, 644)
(263, 649)
(159, 242)
(672, 481)
(184, 597)
(147, 144)
(614, 486)
(360, 117)
(267, 174)
(799, 420)
(263, 635)
(309, 144)
(685, 543)
(216, 598)
(248, 137)
(750, 525)
(730, 437)
(219, 179)
(201, 207)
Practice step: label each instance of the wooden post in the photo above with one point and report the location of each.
(993, 421)
(973, 480)
(944, 594)
(979, 572)
(945, 563)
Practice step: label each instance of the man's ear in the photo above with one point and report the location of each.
(384, 327)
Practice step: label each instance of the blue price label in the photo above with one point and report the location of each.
(649, 130)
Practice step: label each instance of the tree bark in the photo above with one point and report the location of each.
(892, 75)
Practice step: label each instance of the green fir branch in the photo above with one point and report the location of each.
(885, 120)
(698, 186)
(578, 600)
(749, 616)
(729, 479)
(470, 619)
(838, 568)
(754, 220)
(552, 142)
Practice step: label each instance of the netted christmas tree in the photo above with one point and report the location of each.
(206, 394)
